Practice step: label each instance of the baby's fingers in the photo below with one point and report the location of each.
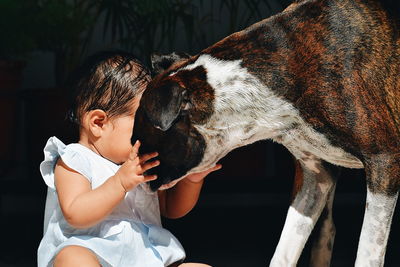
(215, 168)
(148, 165)
(135, 150)
(148, 178)
(146, 157)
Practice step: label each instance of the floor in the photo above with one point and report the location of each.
(245, 236)
(234, 224)
(230, 230)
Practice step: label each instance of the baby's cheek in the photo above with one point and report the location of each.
(126, 154)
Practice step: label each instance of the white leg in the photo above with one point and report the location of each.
(303, 214)
(375, 229)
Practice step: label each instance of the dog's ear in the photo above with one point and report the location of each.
(164, 104)
(160, 62)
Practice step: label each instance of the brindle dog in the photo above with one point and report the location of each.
(321, 78)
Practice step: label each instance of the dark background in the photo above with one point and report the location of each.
(242, 209)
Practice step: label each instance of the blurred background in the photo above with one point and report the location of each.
(242, 209)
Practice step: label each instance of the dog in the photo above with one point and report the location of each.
(322, 79)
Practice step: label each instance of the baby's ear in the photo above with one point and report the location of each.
(161, 62)
(97, 120)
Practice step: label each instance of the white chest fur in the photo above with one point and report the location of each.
(245, 111)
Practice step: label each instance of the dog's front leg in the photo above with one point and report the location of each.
(383, 178)
(303, 212)
(321, 252)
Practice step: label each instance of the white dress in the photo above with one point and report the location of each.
(131, 236)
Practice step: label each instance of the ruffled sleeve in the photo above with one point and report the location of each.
(74, 158)
(52, 151)
(55, 149)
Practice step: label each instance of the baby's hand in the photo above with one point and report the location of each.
(199, 176)
(130, 174)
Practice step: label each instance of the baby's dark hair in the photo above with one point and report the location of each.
(107, 80)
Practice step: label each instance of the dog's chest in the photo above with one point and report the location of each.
(308, 145)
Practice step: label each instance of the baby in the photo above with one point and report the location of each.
(99, 208)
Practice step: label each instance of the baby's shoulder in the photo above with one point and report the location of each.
(71, 155)
(77, 158)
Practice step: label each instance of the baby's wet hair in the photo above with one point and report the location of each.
(107, 80)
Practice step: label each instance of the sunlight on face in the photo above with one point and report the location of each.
(118, 136)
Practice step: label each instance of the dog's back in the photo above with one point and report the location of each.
(337, 61)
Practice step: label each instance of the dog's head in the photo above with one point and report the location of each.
(164, 123)
(166, 116)
(194, 113)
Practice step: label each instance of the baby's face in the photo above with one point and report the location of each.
(119, 135)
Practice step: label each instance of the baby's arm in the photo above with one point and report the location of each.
(83, 206)
(177, 201)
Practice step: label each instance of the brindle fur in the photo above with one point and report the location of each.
(337, 62)
(361, 80)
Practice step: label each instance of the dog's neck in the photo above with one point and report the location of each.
(239, 108)
(241, 116)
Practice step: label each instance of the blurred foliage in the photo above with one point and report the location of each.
(15, 34)
(62, 28)
(67, 27)
(156, 25)
(58, 26)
